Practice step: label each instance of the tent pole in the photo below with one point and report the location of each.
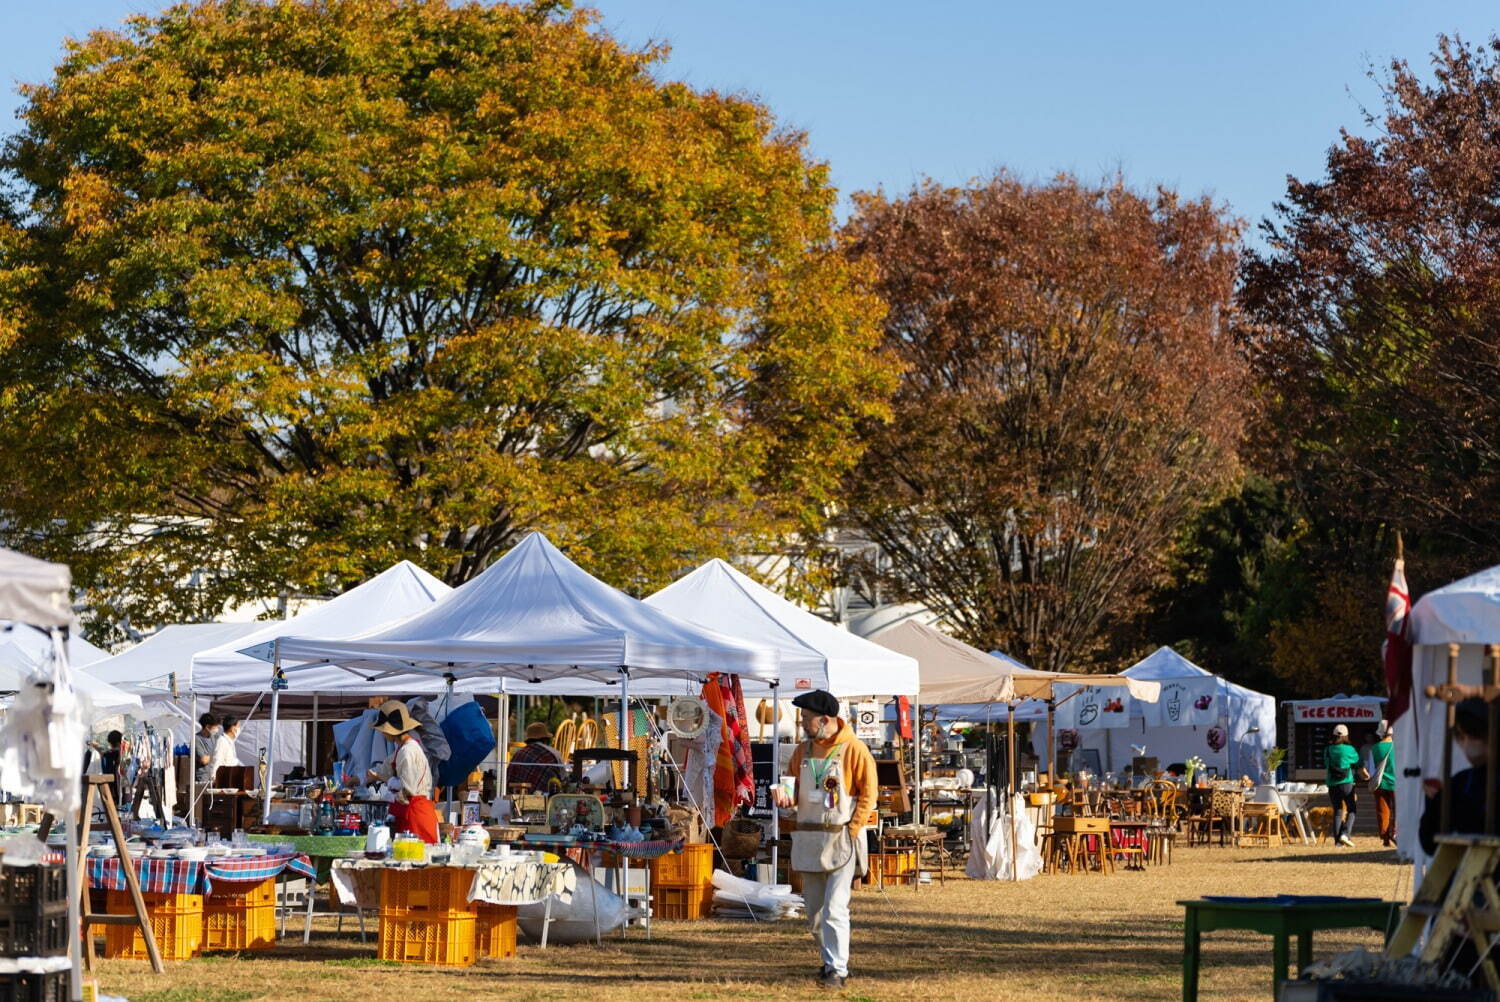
(448, 708)
(192, 811)
(917, 766)
(313, 770)
(1052, 740)
(502, 741)
(775, 775)
(1010, 797)
(265, 812)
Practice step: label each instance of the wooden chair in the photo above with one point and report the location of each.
(1261, 826)
(1164, 801)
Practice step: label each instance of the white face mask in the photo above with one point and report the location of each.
(1476, 750)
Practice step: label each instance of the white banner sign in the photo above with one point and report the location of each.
(867, 721)
(1186, 702)
(1095, 706)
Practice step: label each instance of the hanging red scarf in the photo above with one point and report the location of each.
(744, 762)
(724, 787)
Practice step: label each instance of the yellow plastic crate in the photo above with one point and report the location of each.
(494, 930)
(427, 891)
(682, 903)
(176, 923)
(692, 867)
(240, 921)
(444, 941)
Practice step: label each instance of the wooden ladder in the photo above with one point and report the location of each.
(1462, 874)
(106, 786)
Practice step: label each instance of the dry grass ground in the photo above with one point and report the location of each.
(1054, 937)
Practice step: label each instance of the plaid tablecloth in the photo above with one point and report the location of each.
(194, 876)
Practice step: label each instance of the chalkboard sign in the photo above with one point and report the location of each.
(760, 757)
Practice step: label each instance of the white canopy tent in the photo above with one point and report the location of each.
(1466, 613)
(167, 652)
(532, 615)
(34, 591)
(17, 665)
(1176, 726)
(241, 665)
(814, 653)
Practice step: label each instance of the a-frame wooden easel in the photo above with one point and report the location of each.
(106, 787)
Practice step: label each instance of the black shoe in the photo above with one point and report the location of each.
(828, 979)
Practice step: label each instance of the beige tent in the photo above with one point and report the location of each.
(952, 672)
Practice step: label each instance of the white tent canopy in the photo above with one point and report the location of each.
(1467, 613)
(814, 653)
(534, 614)
(34, 591)
(168, 651)
(241, 664)
(1192, 701)
(17, 665)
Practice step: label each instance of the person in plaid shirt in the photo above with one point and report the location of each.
(538, 762)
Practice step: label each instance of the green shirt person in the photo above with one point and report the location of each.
(1340, 758)
(1382, 756)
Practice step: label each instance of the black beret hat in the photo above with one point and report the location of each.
(818, 701)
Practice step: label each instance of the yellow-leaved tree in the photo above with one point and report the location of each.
(291, 291)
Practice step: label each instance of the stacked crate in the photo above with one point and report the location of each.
(237, 917)
(494, 930)
(426, 917)
(682, 883)
(33, 911)
(176, 923)
(33, 923)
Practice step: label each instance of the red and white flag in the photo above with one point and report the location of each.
(1397, 648)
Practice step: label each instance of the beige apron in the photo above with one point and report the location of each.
(822, 841)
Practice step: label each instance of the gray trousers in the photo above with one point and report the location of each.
(826, 896)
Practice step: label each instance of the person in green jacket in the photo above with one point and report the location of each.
(1383, 767)
(1341, 758)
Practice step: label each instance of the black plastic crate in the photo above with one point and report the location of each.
(33, 886)
(34, 987)
(32, 933)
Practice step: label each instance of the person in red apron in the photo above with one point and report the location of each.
(412, 810)
(835, 798)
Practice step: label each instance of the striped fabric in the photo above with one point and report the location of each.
(193, 876)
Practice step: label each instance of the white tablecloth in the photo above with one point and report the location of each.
(496, 882)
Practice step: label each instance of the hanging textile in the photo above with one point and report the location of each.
(739, 729)
(724, 789)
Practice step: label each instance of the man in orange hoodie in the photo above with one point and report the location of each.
(835, 794)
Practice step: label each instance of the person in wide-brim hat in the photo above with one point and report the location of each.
(412, 810)
(394, 719)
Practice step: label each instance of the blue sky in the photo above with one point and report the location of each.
(1209, 97)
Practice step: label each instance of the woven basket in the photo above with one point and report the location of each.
(741, 839)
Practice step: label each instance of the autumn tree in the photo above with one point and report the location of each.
(1376, 309)
(291, 291)
(1071, 397)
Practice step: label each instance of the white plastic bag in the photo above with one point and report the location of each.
(989, 859)
(593, 910)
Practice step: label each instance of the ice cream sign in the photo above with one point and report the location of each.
(1335, 713)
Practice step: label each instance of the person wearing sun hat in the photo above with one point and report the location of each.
(835, 797)
(412, 810)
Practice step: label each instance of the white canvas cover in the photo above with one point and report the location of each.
(168, 651)
(814, 653)
(18, 665)
(1249, 719)
(34, 591)
(392, 595)
(1467, 613)
(533, 614)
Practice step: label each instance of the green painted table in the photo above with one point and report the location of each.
(323, 849)
(1280, 918)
